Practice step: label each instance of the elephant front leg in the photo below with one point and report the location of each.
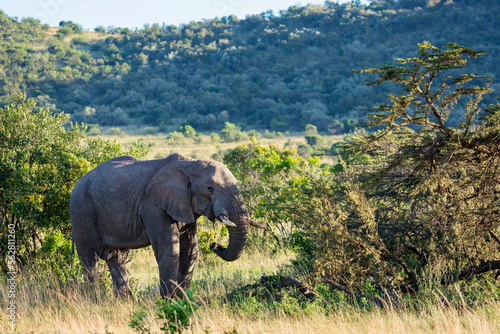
(188, 254)
(167, 248)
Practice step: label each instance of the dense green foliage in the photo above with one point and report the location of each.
(41, 159)
(174, 314)
(443, 179)
(274, 70)
(414, 202)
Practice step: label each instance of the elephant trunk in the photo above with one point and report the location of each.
(237, 240)
(236, 212)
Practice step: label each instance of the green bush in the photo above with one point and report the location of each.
(175, 314)
(254, 133)
(42, 159)
(232, 132)
(263, 172)
(175, 136)
(215, 138)
(94, 129)
(57, 48)
(115, 131)
(313, 140)
(79, 40)
(214, 233)
(56, 258)
(150, 130)
(198, 139)
(417, 200)
(269, 135)
(305, 151)
(310, 129)
(188, 131)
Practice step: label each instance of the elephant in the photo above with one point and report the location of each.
(126, 203)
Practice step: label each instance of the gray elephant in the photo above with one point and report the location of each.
(126, 203)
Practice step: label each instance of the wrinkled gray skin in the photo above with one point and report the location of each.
(126, 203)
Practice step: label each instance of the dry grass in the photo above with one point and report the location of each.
(159, 146)
(45, 306)
(435, 321)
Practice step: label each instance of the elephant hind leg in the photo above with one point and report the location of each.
(89, 260)
(116, 260)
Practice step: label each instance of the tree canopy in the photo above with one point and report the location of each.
(416, 201)
(42, 157)
(276, 71)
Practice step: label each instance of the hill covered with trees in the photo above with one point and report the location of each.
(277, 71)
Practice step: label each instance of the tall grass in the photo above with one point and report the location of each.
(49, 306)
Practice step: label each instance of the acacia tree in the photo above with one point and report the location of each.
(418, 195)
(436, 185)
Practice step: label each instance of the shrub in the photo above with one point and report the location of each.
(215, 138)
(232, 132)
(79, 40)
(198, 139)
(313, 140)
(115, 131)
(262, 173)
(188, 131)
(100, 29)
(305, 151)
(336, 127)
(42, 159)
(57, 48)
(94, 129)
(269, 135)
(174, 313)
(175, 136)
(254, 133)
(310, 129)
(150, 130)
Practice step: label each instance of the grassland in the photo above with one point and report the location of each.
(160, 146)
(45, 305)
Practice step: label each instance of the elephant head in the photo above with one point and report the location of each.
(187, 189)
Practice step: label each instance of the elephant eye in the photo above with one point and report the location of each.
(211, 189)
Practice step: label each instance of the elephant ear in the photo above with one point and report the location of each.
(170, 190)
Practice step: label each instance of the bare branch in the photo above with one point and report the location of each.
(494, 237)
(287, 281)
(472, 271)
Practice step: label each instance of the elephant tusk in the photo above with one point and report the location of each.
(226, 221)
(255, 224)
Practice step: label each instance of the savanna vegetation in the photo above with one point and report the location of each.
(274, 71)
(398, 234)
(388, 228)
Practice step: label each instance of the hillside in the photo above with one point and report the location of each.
(275, 71)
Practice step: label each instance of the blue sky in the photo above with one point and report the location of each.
(134, 14)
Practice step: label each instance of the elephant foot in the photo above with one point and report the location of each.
(122, 292)
(171, 291)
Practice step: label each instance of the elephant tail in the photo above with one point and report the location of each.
(72, 246)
